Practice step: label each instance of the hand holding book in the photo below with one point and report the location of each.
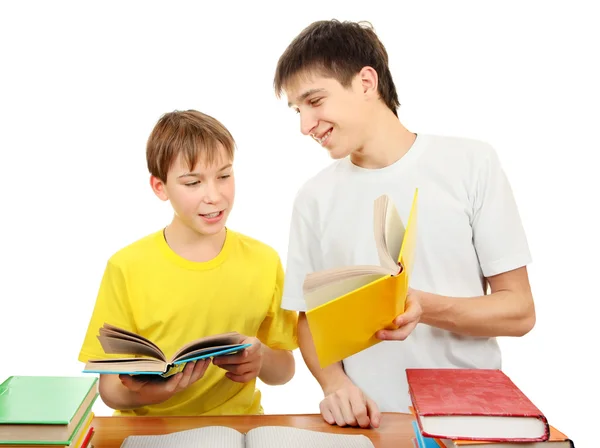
(149, 391)
(243, 366)
(406, 322)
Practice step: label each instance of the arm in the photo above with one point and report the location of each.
(344, 403)
(116, 396)
(330, 378)
(507, 311)
(278, 366)
(125, 392)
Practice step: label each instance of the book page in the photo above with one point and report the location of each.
(117, 346)
(210, 436)
(199, 345)
(288, 437)
(111, 329)
(125, 365)
(337, 289)
(117, 341)
(388, 231)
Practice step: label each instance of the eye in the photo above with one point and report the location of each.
(225, 176)
(316, 101)
(191, 184)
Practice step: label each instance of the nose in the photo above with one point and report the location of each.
(307, 122)
(211, 193)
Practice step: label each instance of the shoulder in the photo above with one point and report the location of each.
(320, 185)
(451, 146)
(139, 251)
(253, 249)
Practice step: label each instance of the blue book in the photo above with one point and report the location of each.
(422, 441)
(149, 359)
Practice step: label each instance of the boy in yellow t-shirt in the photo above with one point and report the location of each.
(195, 278)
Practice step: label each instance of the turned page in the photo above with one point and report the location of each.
(210, 436)
(288, 437)
(389, 232)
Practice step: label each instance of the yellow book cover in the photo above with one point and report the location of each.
(346, 306)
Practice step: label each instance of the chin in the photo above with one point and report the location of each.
(338, 154)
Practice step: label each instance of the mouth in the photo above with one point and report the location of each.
(212, 215)
(323, 138)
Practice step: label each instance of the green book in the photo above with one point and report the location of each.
(44, 408)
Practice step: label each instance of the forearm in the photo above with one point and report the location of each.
(503, 313)
(116, 396)
(331, 377)
(278, 366)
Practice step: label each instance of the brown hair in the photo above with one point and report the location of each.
(191, 133)
(338, 50)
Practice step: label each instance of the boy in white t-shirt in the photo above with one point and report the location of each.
(336, 76)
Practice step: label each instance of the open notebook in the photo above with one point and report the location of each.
(149, 359)
(346, 306)
(262, 437)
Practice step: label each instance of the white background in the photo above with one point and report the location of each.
(82, 85)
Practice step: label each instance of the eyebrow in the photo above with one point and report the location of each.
(196, 174)
(305, 95)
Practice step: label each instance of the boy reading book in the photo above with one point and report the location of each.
(469, 236)
(192, 279)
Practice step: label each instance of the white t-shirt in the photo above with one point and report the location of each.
(468, 229)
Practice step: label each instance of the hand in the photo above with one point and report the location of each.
(244, 366)
(155, 392)
(406, 322)
(346, 404)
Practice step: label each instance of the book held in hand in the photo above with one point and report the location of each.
(261, 437)
(474, 404)
(346, 306)
(149, 359)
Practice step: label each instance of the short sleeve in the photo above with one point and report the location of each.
(498, 234)
(302, 258)
(112, 306)
(278, 330)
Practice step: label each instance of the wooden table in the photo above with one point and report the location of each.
(395, 430)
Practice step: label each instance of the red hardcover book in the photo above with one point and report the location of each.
(474, 404)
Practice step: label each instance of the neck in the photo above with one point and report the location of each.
(191, 245)
(389, 140)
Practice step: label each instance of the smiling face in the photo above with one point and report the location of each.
(201, 197)
(336, 117)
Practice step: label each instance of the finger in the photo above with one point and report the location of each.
(130, 383)
(342, 402)
(338, 416)
(199, 370)
(373, 412)
(229, 359)
(359, 410)
(326, 413)
(412, 312)
(173, 382)
(187, 374)
(238, 369)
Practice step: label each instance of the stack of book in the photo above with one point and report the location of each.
(476, 408)
(38, 411)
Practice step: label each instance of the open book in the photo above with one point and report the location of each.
(346, 306)
(261, 437)
(148, 359)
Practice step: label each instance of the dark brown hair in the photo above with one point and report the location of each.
(339, 50)
(191, 133)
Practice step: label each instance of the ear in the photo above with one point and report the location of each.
(158, 186)
(368, 81)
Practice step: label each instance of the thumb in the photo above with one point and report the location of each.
(374, 414)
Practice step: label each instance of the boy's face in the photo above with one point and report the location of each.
(202, 198)
(336, 117)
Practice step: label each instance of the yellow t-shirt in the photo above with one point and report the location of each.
(149, 289)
